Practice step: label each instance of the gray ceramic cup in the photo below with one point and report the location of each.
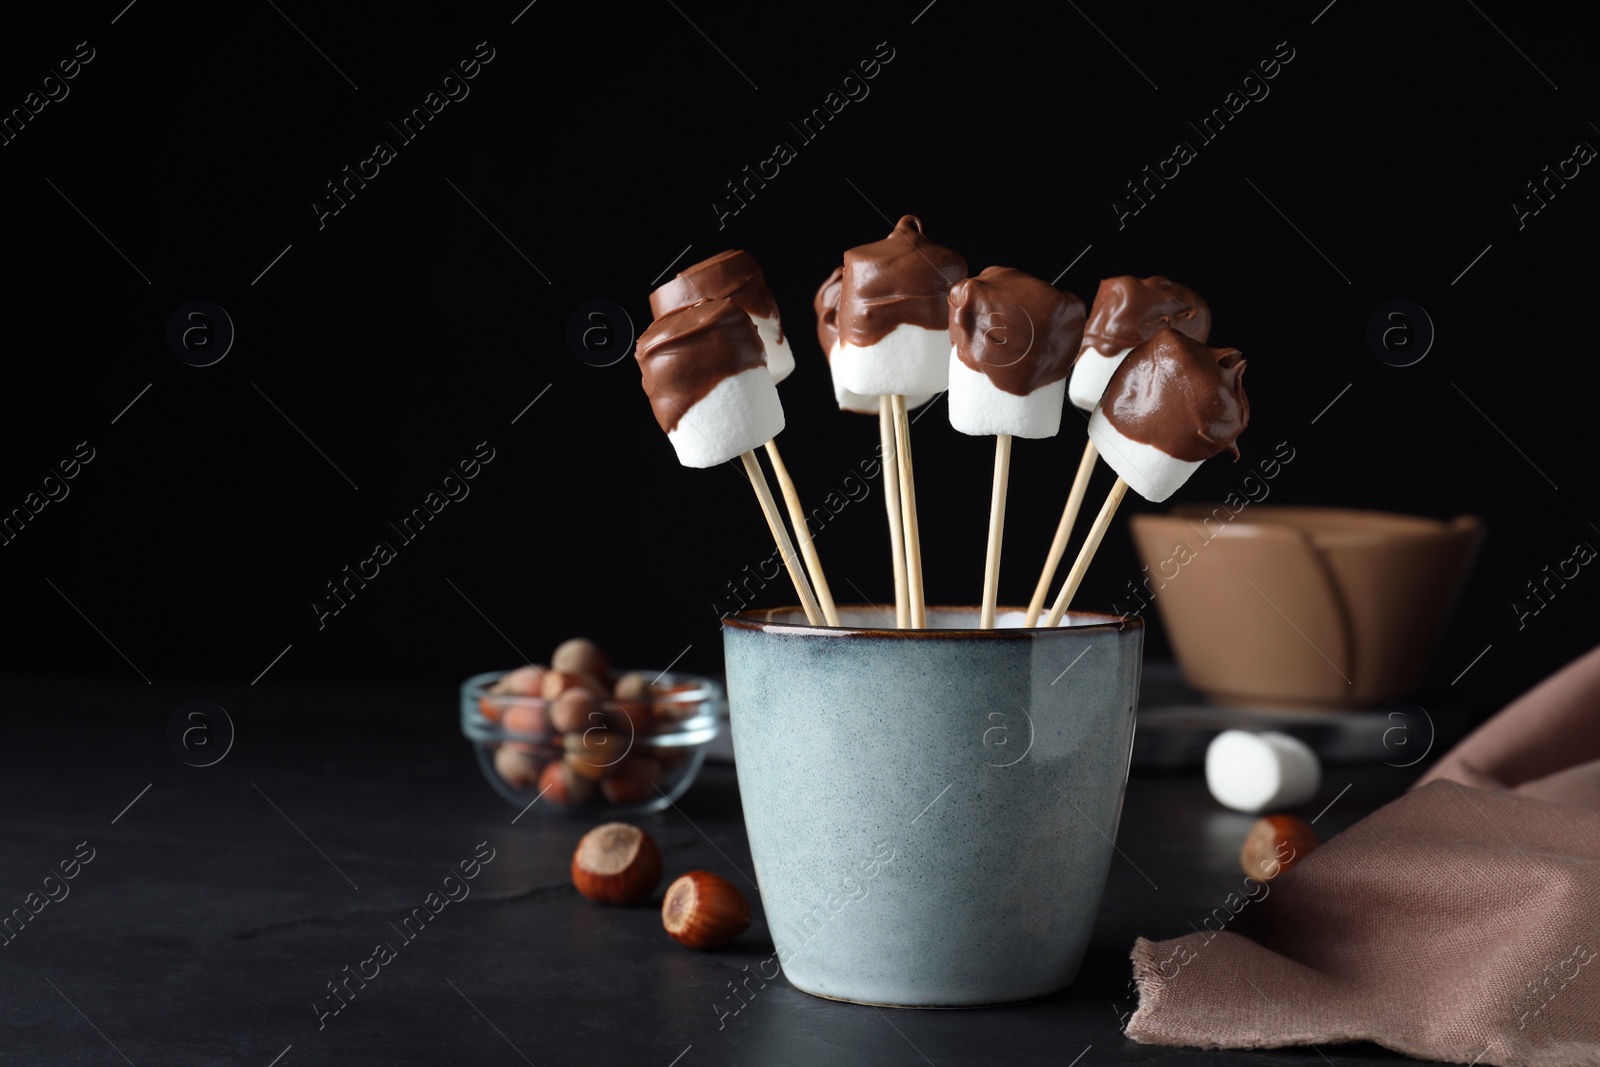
(931, 812)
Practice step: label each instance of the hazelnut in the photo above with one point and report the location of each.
(702, 910)
(593, 752)
(632, 687)
(616, 864)
(525, 718)
(585, 769)
(632, 781)
(1274, 844)
(634, 718)
(558, 682)
(491, 708)
(560, 786)
(518, 769)
(572, 710)
(581, 656)
(522, 682)
(675, 703)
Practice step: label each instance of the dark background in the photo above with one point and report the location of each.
(414, 324)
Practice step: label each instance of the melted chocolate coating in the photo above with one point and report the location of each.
(1175, 394)
(1023, 333)
(904, 278)
(734, 274)
(826, 305)
(685, 353)
(1129, 311)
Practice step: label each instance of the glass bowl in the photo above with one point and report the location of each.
(632, 757)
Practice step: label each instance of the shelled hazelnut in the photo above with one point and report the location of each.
(1274, 844)
(633, 781)
(633, 686)
(523, 682)
(558, 682)
(519, 769)
(572, 710)
(616, 864)
(526, 719)
(592, 753)
(702, 910)
(559, 785)
(581, 656)
(634, 718)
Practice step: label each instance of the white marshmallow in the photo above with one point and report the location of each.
(1261, 772)
(979, 407)
(855, 402)
(1148, 471)
(780, 360)
(1091, 374)
(910, 361)
(740, 413)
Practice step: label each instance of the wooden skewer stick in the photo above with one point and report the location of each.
(1069, 518)
(908, 513)
(891, 501)
(1097, 532)
(997, 529)
(797, 517)
(780, 534)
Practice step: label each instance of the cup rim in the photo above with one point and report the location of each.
(1386, 527)
(759, 620)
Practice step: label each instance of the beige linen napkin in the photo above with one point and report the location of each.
(1460, 922)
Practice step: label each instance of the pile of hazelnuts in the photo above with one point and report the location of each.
(619, 864)
(586, 728)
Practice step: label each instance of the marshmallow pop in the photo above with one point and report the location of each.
(894, 323)
(894, 342)
(1014, 338)
(826, 305)
(1127, 311)
(1172, 404)
(704, 369)
(736, 275)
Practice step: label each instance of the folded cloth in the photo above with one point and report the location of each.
(1459, 923)
(1552, 727)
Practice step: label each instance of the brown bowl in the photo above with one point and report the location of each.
(1307, 607)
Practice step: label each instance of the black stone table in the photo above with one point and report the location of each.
(221, 902)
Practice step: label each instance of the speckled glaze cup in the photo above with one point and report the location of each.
(931, 811)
